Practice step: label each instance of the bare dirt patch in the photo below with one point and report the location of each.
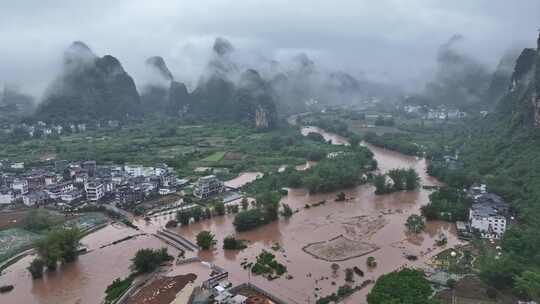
(363, 226)
(339, 248)
(233, 156)
(12, 219)
(162, 290)
(351, 244)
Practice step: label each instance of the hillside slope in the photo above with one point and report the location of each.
(89, 88)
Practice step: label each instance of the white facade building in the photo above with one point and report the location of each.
(6, 197)
(71, 196)
(488, 215)
(94, 191)
(134, 170)
(21, 185)
(208, 186)
(35, 198)
(56, 190)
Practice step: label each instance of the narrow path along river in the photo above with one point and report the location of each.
(364, 217)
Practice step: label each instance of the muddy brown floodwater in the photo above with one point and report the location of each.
(85, 280)
(367, 220)
(384, 216)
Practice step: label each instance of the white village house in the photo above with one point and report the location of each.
(488, 214)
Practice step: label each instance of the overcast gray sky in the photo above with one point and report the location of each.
(390, 40)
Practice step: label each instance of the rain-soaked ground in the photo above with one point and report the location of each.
(364, 217)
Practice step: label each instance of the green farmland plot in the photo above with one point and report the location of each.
(214, 157)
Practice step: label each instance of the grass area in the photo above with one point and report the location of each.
(232, 147)
(15, 240)
(214, 157)
(87, 220)
(117, 289)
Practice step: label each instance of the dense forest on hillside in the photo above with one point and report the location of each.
(503, 150)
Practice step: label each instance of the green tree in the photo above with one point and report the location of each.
(379, 181)
(354, 141)
(245, 204)
(412, 180)
(270, 204)
(219, 208)
(36, 268)
(147, 260)
(349, 275)
(207, 213)
(313, 182)
(68, 242)
(41, 220)
(397, 177)
(183, 216)
(232, 243)
(406, 286)
(287, 211)
(58, 245)
(205, 240)
(500, 273)
(249, 219)
(528, 285)
(415, 223)
(197, 213)
(371, 262)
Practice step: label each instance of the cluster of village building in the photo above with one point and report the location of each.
(488, 216)
(42, 129)
(437, 113)
(68, 184)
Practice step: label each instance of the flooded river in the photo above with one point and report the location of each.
(328, 221)
(364, 217)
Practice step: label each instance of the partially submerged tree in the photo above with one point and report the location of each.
(205, 240)
(415, 223)
(36, 268)
(147, 260)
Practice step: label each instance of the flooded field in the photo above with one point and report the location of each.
(242, 179)
(85, 280)
(374, 221)
(364, 225)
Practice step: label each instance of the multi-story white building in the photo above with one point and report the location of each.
(134, 170)
(6, 196)
(168, 180)
(35, 198)
(71, 196)
(21, 185)
(488, 215)
(208, 186)
(94, 191)
(55, 191)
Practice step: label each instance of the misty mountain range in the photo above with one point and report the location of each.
(463, 82)
(93, 88)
